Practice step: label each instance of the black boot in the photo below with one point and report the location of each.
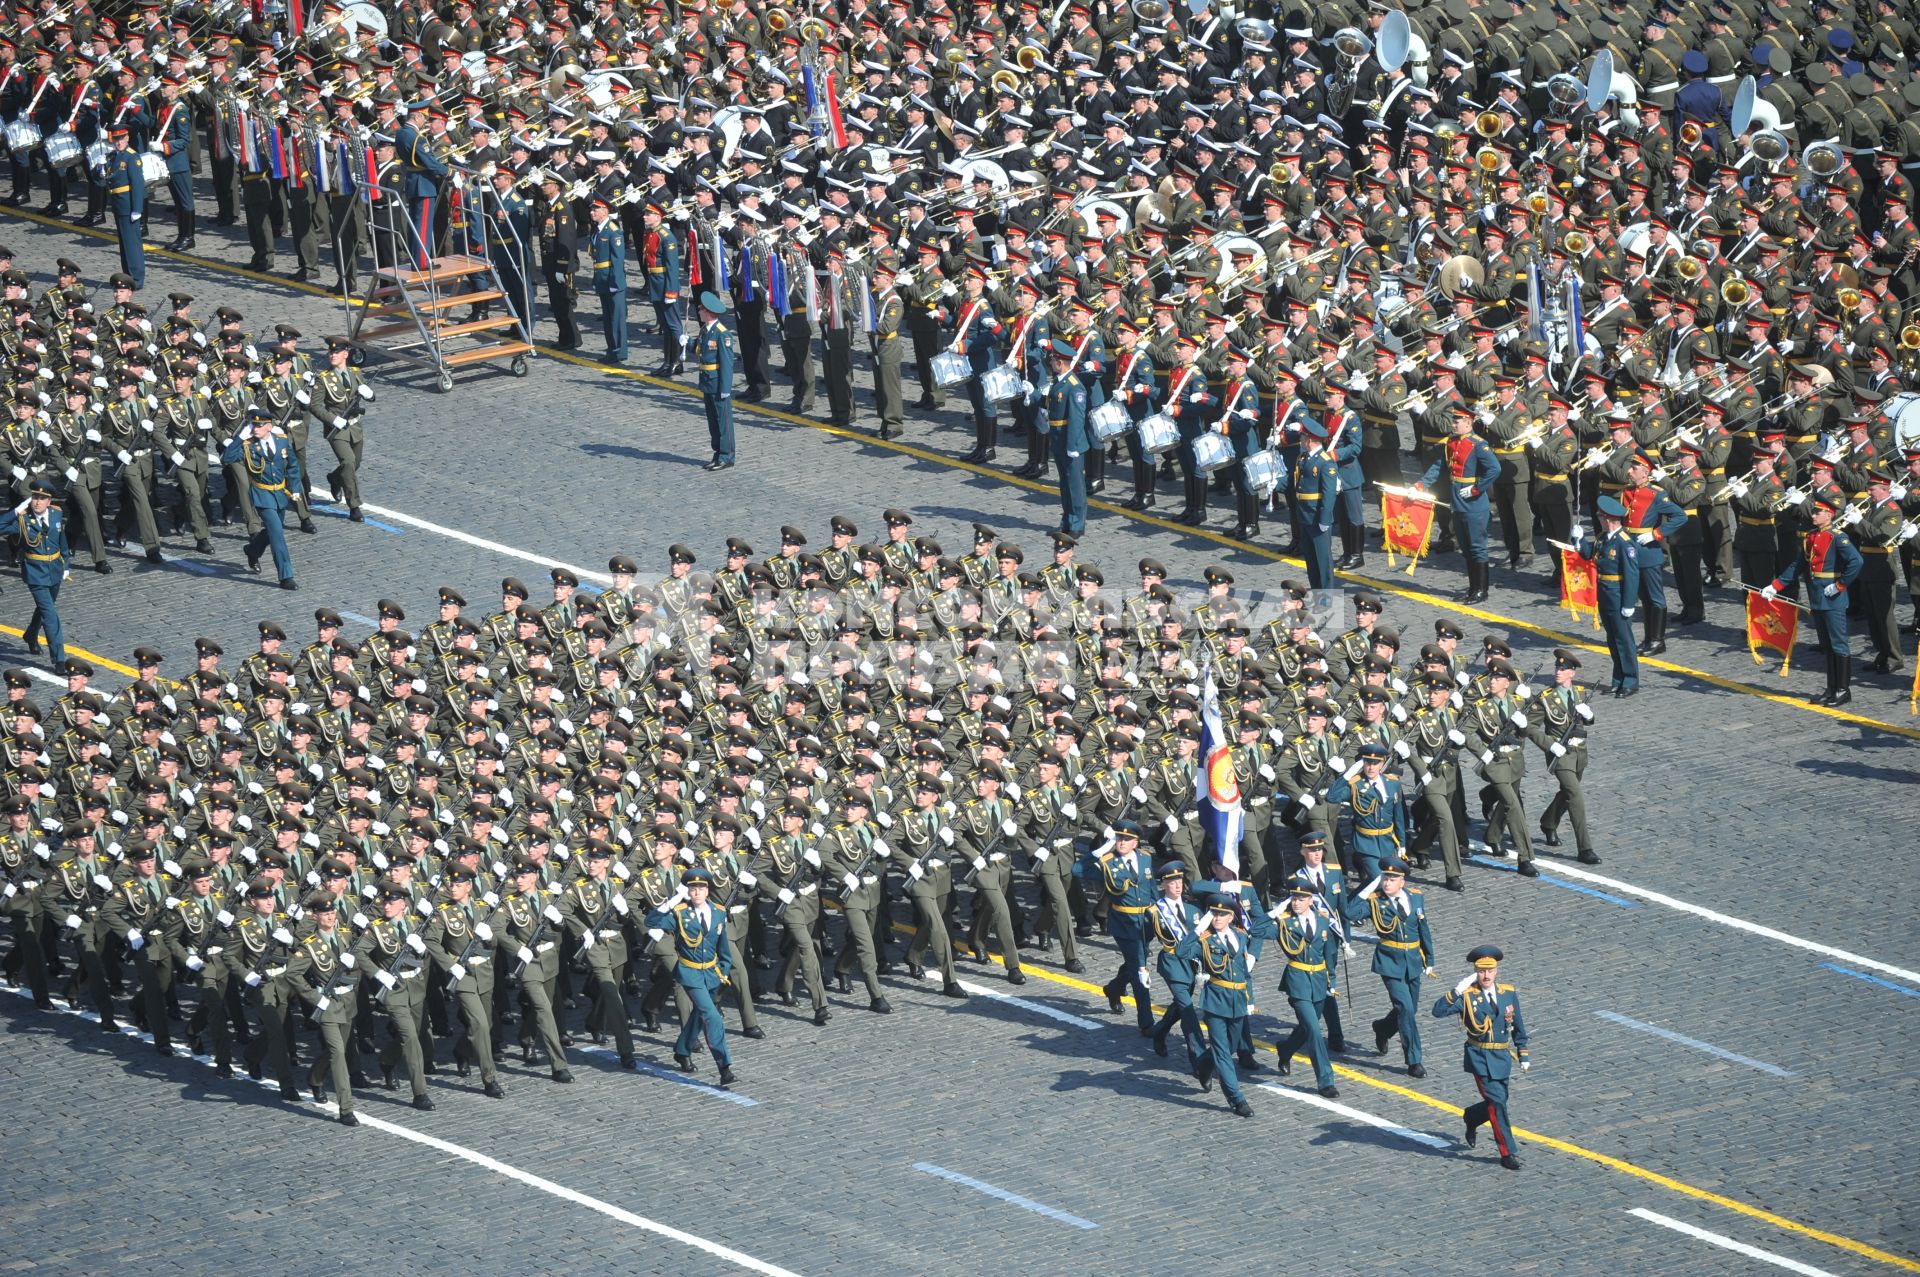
(1142, 486)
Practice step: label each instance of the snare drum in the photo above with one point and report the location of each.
(154, 168)
(1211, 451)
(97, 154)
(1158, 434)
(1903, 410)
(1110, 420)
(63, 149)
(22, 136)
(1263, 472)
(999, 383)
(950, 369)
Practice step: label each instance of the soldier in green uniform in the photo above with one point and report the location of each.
(323, 972)
(531, 928)
(730, 891)
(890, 313)
(339, 399)
(392, 953)
(262, 946)
(1050, 819)
(1561, 716)
(20, 869)
(853, 857)
(460, 941)
(786, 871)
(1496, 724)
(195, 931)
(133, 914)
(986, 826)
(923, 851)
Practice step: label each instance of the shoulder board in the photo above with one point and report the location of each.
(1503, 988)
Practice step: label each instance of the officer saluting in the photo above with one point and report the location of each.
(1496, 1037)
(39, 534)
(705, 963)
(713, 352)
(273, 476)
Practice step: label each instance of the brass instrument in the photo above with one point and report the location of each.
(1537, 203)
(1488, 159)
(1690, 133)
(1006, 81)
(1487, 124)
(778, 19)
(1822, 159)
(1576, 243)
(1151, 12)
(813, 30)
(1735, 291)
(1027, 57)
(1910, 337)
(1849, 298)
(1689, 268)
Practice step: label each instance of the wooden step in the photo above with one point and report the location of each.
(434, 303)
(480, 354)
(441, 269)
(440, 327)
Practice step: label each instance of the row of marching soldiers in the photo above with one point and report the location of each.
(410, 839)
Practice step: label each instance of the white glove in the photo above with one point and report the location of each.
(1487, 757)
(1466, 981)
(915, 872)
(1455, 736)
(1138, 794)
(1525, 1065)
(620, 905)
(1070, 810)
(946, 837)
(252, 980)
(484, 931)
(812, 857)
(1909, 529)
(1584, 711)
(1796, 497)
(979, 862)
(1832, 590)
(1770, 592)
(73, 921)
(323, 1003)
(1519, 720)
(456, 972)
(524, 954)
(1851, 516)
(136, 941)
(850, 882)
(880, 847)
(386, 978)
(1008, 828)
(1426, 778)
(786, 896)
(1366, 892)
(1337, 763)
(195, 962)
(283, 935)
(1557, 750)
(1307, 802)
(415, 943)
(1738, 487)
(1626, 613)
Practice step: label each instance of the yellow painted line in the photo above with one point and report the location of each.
(94, 658)
(1619, 1164)
(1001, 476)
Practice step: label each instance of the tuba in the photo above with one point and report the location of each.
(1352, 46)
(1822, 159)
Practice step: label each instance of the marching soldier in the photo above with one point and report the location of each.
(1496, 1038)
(704, 962)
(1561, 715)
(1222, 994)
(1307, 982)
(786, 872)
(1403, 954)
(595, 909)
(923, 852)
(258, 957)
(531, 929)
(460, 941)
(392, 953)
(713, 354)
(339, 399)
(322, 970)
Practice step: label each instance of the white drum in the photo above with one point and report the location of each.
(1158, 434)
(97, 158)
(950, 369)
(1388, 298)
(22, 136)
(63, 149)
(153, 168)
(1110, 420)
(999, 383)
(1263, 472)
(1211, 451)
(1903, 410)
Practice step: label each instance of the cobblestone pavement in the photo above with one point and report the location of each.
(1721, 1011)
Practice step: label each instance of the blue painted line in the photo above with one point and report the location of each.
(1488, 862)
(1681, 1038)
(331, 511)
(192, 565)
(589, 589)
(1013, 1199)
(682, 1079)
(1873, 979)
(358, 619)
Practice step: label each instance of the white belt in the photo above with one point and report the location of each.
(408, 975)
(1670, 86)
(342, 990)
(274, 973)
(869, 879)
(936, 864)
(809, 889)
(608, 933)
(1257, 802)
(998, 855)
(736, 908)
(543, 946)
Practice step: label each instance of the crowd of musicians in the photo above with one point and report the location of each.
(1238, 229)
(444, 830)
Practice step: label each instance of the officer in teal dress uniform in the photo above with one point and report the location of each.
(1496, 1038)
(713, 354)
(273, 476)
(1328, 883)
(1171, 920)
(1069, 437)
(39, 535)
(1314, 488)
(1126, 878)
(1221, 993)
(1379, 812)
(1251, 917)
(127, 194)
(1309, 943)
(1616, 571)
(698, 930)
(1404, 953)
(1470, 469)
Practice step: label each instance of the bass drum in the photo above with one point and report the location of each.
(950, 369)
(63, 149)
(1211, 451)
(1110, 420)
(1903, 410)
(1000, 383)
(1263, 472)
(1158, 434)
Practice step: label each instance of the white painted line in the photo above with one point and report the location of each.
(44, 677)
(672, 1075)
(1738, 924)
(1027, 1004)
(481, 543)
(578, 1198)
(1013, 1199)
(1643, 1027)
(1359, 1115)
(1727, 1243)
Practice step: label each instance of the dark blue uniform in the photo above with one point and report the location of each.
(1169, 923)
(1127, 881)
(41, 543)
(1830, 562)
(607, 250)
(1379, 820)
(1069, 441)
(1315, 487)
(273, 476)
(1652, 521)
(1309, 944)
(660, 254)
(705, 962)
(1222, 995)
(1471, 469)
(175, 127)
(127, 196)
(713, 351)
(1616, 570)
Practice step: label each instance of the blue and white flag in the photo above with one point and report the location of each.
(1576, 320)
(1218, 796)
